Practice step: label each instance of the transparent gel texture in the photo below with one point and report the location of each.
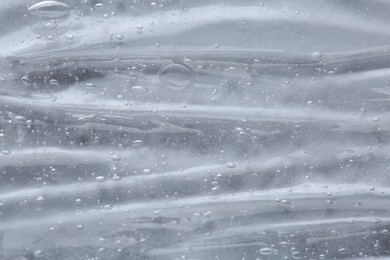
(204, 129)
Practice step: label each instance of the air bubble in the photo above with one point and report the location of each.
(265, 251)
(100, 179)
(38, 254)
(26, 81)
(49, 9)
(91, 86)
(284, 201)
(99, 6)
(80, 226)
(137, 142)
(139, 90)
(342, 251)
(69, 36)
(296, 255)
(107, 207)
(6, 152)
(20, 119)
(51, 25)
(176, 76)
(120, 37)
(316, 55)
(231, 165)
(53, 82)
(116, 177)
(116, 158)
(147, 171)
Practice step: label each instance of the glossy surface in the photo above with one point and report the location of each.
(194, 129)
